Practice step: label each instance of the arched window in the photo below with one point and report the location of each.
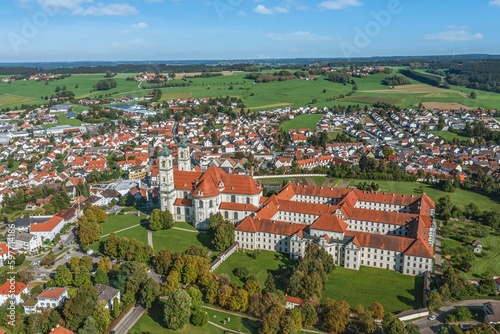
(235, 216)
(178, 210)
(233, 198)
(211, 204)
(226, 214)
(248, 200)
(200, 204)
(163, 164)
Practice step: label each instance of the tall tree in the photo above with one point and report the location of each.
(80, 307)
(177, 309)
(149, 292)
(335, 315)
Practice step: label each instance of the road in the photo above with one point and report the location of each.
(427, 326)
(129, 320)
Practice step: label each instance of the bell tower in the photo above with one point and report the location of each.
(166, 174)
(184, 157)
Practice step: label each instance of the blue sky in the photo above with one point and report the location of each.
(66, 30)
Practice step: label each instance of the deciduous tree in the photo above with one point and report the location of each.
(177, 309)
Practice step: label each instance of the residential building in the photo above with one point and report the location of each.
(50, 298)
(12, 290)
(108, 295)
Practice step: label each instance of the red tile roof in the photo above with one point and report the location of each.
(48, 226)
(5, 289)
(52, 293)
(329, 222)
(250, 224)
(238, 207)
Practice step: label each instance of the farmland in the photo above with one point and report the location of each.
(257, 96)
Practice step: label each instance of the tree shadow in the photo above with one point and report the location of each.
(253, 326)
(205, 239)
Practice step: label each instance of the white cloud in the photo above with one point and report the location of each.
(451, 35)
(261, 9)
(140, 25)
(339, 4)
(299, 36)
(63, 4)
(114, 9)
(280, 10)
(495, 3)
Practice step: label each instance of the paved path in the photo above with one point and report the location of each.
(427, 326)
(246, 317)
(129, 320)
(128, 228)
(150, 239)
(187, 230)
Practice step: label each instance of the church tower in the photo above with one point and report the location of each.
(166, 174)
(184, 157)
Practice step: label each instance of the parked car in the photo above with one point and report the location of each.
(432, 317)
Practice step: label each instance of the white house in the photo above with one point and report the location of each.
(12, 290)
(50, 298)
(25, 242)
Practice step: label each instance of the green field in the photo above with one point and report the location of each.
(305, 121)
(258, 267)
(462, 233)
(459, 197)
(152, 322)
(237, 324)
(448, 135)
(63, 120)
(179, 241)
(256, 96)
(119, 222)
(395, 291)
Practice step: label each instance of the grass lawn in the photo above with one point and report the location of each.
(179, 241)
(119, 222)
(320, 180)
(63, 120)
(464, 233)
(258, 267)
(302, 122)
(140, 233)
(449, 244)
(184, 225)
(449, 135)
(459, 197)
(395, 291)
(236, 323)
(152, 322)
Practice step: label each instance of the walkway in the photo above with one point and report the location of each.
(150, 239)
(127, 228)
(246, 317)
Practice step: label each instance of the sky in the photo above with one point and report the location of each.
(117, 30)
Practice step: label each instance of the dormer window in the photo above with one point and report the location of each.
(221, 184)
(200, 193)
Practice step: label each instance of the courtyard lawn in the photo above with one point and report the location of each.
(258, 267)
(237, 324)
(179, 241)
(139, 233)
(459, 197)
(184, 225)
(119, 222)
(152, 322)
(395, 291)
(306, 121)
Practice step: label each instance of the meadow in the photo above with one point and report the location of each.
(307, 121)
(395, 291)
(258, 96)
(258, 267)
(459, 197)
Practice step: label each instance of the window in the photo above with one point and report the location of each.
(226, 214)
(178, 210)
(248, 200)
(233, 198)
(200, 204)
(235, 216)
(211, 204)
